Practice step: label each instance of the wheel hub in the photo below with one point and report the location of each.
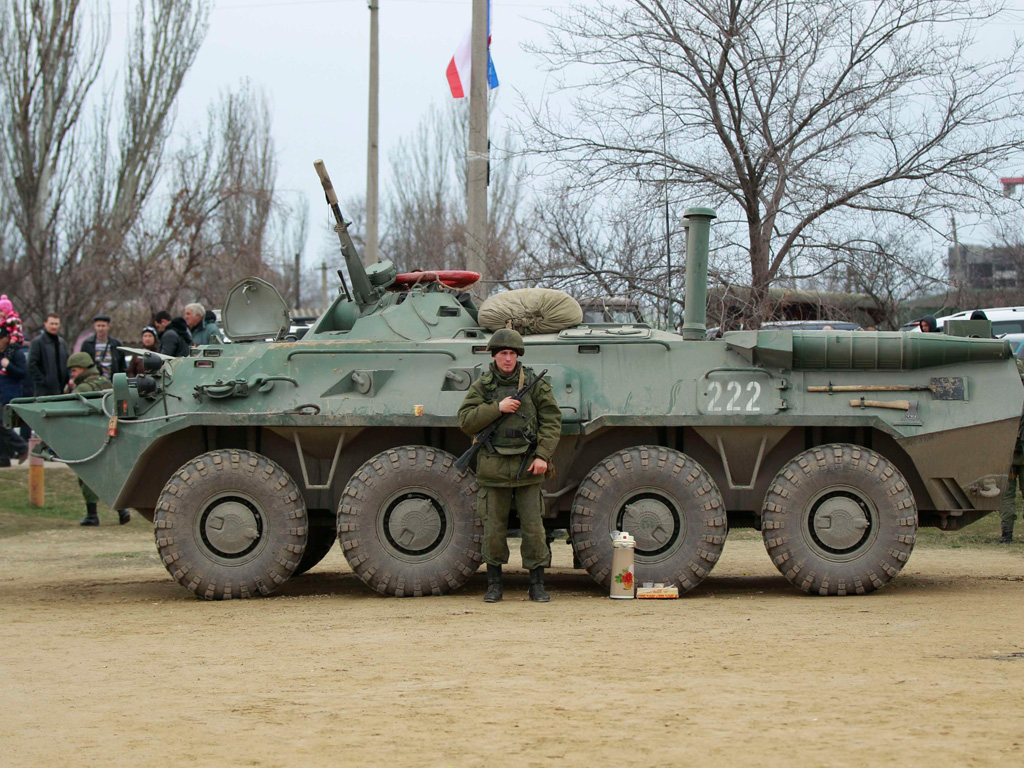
(414, 524)
(652, 520)
(231, 527)
(840, 522)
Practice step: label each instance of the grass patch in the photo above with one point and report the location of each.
(63, 502)
(983, 533)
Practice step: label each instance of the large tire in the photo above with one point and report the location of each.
(229, 524)
(839, 519)
(323, 532)
(666, 501)
(408, 525)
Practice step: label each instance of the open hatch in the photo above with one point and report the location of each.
(255, 311)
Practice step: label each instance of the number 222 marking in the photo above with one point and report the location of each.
(734, 391)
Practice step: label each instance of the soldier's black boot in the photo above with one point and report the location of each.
(493, 584)
(1007, 537)
(91, 518)
(123, 516)
(537, 593)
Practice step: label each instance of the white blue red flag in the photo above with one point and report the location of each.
(459, 66)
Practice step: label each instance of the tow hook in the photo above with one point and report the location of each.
(986, 487)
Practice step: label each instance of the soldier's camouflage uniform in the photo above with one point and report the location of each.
(531, 432)
(90, 380)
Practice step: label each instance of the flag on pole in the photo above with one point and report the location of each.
(459, 66)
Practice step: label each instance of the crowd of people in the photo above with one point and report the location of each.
(45, 366)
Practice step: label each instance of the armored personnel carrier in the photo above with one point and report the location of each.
(252, 458)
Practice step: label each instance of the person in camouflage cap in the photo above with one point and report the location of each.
(85, 377)
(531, 428)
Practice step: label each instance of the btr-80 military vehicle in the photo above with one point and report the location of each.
(252, 458)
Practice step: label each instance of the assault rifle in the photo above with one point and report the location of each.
(483, 437)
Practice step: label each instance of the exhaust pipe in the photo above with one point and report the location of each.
(697, 222)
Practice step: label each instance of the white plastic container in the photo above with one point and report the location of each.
(623, 586)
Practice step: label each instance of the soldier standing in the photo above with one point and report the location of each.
(85, 377)
(531, 428)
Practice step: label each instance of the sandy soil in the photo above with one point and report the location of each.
(106, 661)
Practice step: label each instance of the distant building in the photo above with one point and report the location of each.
(985, 268)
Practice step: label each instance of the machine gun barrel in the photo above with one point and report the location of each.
(484, 436)
(362, 290)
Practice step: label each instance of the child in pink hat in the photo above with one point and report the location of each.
(10, 320)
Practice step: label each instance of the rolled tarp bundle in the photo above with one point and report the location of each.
(853, 350)
(531, 310)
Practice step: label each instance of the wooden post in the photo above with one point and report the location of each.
(478, 158)
(372, 205)
(36, 486)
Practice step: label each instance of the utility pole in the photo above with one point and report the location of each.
(959, 267)
(477, 158)
(372, 197)
(298, 275)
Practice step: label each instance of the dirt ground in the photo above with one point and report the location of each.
(106, 661)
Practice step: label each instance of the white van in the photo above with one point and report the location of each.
(1005, 320)
(1007, 323)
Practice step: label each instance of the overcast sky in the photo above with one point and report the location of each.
(310, 57)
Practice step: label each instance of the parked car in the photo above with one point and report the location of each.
(615, 309)
(1007, 321)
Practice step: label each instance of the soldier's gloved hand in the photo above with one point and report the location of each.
(538, 467)
(509, 405)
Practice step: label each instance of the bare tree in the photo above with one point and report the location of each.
(74, 197)
(48, 64)
(786, 115)
(213, 226)
(289, 230)
(571, 243)
(424, 214)
(884, 266)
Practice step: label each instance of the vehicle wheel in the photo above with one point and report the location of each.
(839, 519)
(666, 501)
(408, 525)
(323, 532)
(230, 524)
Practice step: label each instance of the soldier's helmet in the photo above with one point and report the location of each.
(506, 338)
(80, 360)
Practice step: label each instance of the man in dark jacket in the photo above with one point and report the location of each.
(48, 359)
(175, 339)
(103, 348)
(13, 367)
